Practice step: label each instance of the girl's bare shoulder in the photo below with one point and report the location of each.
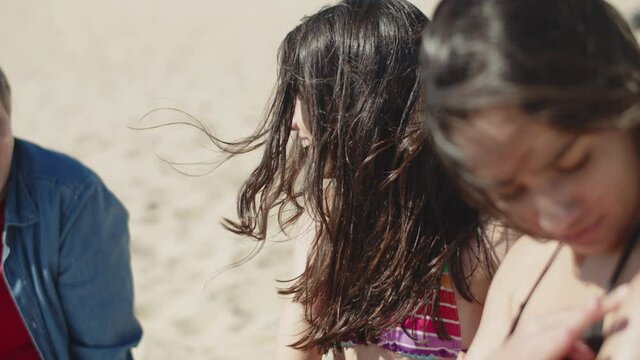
(523, 263)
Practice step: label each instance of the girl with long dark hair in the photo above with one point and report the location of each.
(393, 259)
(535, 106)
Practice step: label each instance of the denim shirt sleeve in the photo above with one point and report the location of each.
(95, 281)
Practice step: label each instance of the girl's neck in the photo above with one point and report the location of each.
(600, 267)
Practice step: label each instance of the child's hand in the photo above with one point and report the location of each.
(557, 336)
(628, 348)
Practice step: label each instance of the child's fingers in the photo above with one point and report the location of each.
(560, 334)
(580, 320)
(580, 351)
(615, 298)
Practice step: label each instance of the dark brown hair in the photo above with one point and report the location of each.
(393, 219)
(5, 92)
(574, 63)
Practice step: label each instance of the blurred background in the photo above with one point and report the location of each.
(84, 72)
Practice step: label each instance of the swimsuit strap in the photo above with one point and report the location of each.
(526, 300)
(594, 335)
(624, 258)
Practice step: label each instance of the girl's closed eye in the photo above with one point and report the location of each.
(512, 193)
(576, 165)
(576, 159)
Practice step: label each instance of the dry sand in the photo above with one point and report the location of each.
(82, 71)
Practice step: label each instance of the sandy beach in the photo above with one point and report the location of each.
(85, 72)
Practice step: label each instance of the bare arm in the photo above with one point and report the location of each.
(291, 326)
(494, 324)
(292, 323)
(498, 310)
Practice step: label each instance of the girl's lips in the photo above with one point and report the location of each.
(582, 235)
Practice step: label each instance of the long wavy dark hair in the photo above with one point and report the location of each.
(393, 219)
(574, 63)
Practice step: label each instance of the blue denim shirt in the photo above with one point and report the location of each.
(66, 258)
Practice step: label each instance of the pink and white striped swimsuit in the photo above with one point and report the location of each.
(417, 338)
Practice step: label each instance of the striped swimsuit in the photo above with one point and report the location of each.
(417, 338)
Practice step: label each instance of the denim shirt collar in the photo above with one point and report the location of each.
(20, 209)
